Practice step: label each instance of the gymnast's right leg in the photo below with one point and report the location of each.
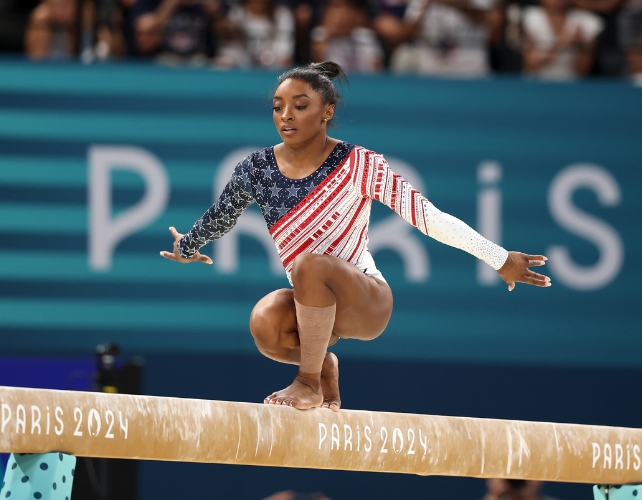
(274, 328)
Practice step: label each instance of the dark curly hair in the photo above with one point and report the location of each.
(320, 77)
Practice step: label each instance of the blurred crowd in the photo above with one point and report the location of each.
(552, 39)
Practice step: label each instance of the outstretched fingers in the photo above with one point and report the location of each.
(203, 258)
(176, 256)
(516, 269)
(533, 278)
(168, 255)
(536, 260)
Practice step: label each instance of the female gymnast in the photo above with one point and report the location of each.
(315, 193)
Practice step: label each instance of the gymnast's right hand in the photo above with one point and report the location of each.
(175, 256)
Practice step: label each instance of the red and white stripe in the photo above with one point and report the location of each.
(333, 219)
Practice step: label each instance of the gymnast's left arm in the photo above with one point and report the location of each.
(394, 191)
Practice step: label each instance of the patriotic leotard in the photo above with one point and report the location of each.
(328, 212)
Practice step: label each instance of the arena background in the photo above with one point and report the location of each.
(96, 162)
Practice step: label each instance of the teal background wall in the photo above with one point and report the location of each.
(543, 168)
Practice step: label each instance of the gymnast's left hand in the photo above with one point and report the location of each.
(516, 270)
(175, 256)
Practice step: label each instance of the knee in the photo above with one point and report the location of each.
(263, 327)
(267, 322)
(309, 266)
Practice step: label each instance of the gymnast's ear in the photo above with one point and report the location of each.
(329, 112)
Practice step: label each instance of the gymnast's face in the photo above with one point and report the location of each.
(299, 112)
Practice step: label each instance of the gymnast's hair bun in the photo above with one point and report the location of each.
(329, 69)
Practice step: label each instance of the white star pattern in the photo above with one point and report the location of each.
(258, 173)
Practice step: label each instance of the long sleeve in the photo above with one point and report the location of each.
(222, 216)
(391, 189)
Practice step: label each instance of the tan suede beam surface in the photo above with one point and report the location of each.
(187, 430)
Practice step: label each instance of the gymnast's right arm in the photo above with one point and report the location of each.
(218, 220)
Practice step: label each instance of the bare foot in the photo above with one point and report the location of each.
(303, 393)
(330, 382)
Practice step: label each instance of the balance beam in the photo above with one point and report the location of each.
(90, 424)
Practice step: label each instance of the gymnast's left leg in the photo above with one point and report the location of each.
(331, 296)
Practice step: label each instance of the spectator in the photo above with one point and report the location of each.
(505, 37)
(54, 26)
(345, 38)
(630, 32)
(307, 14)
(559, 40)
(114, 29)
(14, 16)
(177, 31)
(449, 37)
(262, 36)
(390, 26)
(514, 489)
(609, 59)
(52, 30)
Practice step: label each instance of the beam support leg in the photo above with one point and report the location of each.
(46, 476)
(626, 492)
